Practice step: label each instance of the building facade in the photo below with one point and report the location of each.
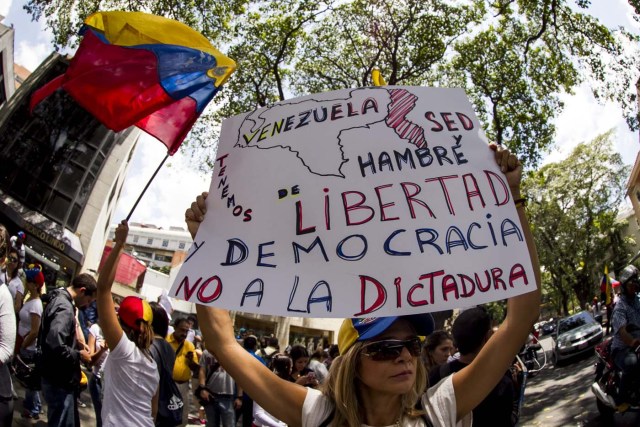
(62, 174)
(155, 246)
(7, 81)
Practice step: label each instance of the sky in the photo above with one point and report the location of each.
(179, 181)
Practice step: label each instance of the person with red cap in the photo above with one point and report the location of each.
(130, 374)
(378, 377)
(29, 317)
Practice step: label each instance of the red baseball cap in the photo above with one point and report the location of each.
(134, 309)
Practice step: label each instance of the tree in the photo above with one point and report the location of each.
(573, 211)
(513, 57)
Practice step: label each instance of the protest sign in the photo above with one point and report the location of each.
(359, 202)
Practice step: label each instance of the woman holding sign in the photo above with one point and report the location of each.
(378, 378)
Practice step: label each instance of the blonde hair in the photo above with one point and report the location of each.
(142, 338)
(342, 389)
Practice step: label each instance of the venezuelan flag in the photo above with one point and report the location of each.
(133, 68)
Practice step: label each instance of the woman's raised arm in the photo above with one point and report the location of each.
(473, 383)
(107, 317)
(279, 397)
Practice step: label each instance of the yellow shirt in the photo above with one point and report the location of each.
(181, 369)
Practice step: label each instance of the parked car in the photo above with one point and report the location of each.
(576, 334)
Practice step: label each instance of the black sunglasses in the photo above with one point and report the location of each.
(391, 349)
(12, 259)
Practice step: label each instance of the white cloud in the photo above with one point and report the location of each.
(5, 6)
(171, 192)
(583, 119)
(31, 54)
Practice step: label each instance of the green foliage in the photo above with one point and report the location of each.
(573, 209)
(513, 57)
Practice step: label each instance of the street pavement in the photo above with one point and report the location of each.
(561, 396)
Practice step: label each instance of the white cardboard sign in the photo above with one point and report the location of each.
(360, 202)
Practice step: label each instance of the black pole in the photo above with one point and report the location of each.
(135, 205)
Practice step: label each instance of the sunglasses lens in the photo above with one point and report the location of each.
(391, 349)
(11, 259)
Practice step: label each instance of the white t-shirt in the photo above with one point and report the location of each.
(33, 306)
(96, 332)
(130, 382)
(439, 402)
(15, 285)
(319, 369)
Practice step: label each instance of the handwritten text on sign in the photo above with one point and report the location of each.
(373, 201)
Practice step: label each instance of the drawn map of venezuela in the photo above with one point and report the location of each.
(277, 126)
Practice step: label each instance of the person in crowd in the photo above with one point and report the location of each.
(165, 359)
(378, 379)
(317, 366)
(301, 374)
(60, 361)
(333, 353)
(99, 353)
(166, 303)
(11, 276)
(186, 362)
(596, 310)
(17, 243)
(7, 340)
(625, 322)
(218, 392)
(437, 349)
(272, 347)
(281, 365)
(194, 336)
(471, 331)
(250, 345)
(30, 316)
(130, 374)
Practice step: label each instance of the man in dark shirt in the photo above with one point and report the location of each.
(60, 361)
(471, 330)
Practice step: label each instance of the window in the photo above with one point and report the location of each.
(165, 243)
(150, 241)
(148, 255)
(181, 245)
(163, 258)
(135, 239)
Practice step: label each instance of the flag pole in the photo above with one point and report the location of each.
(135, 205)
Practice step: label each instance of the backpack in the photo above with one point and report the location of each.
(170, 403)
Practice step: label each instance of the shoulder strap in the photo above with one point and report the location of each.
(179, 348)
(328, 420)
